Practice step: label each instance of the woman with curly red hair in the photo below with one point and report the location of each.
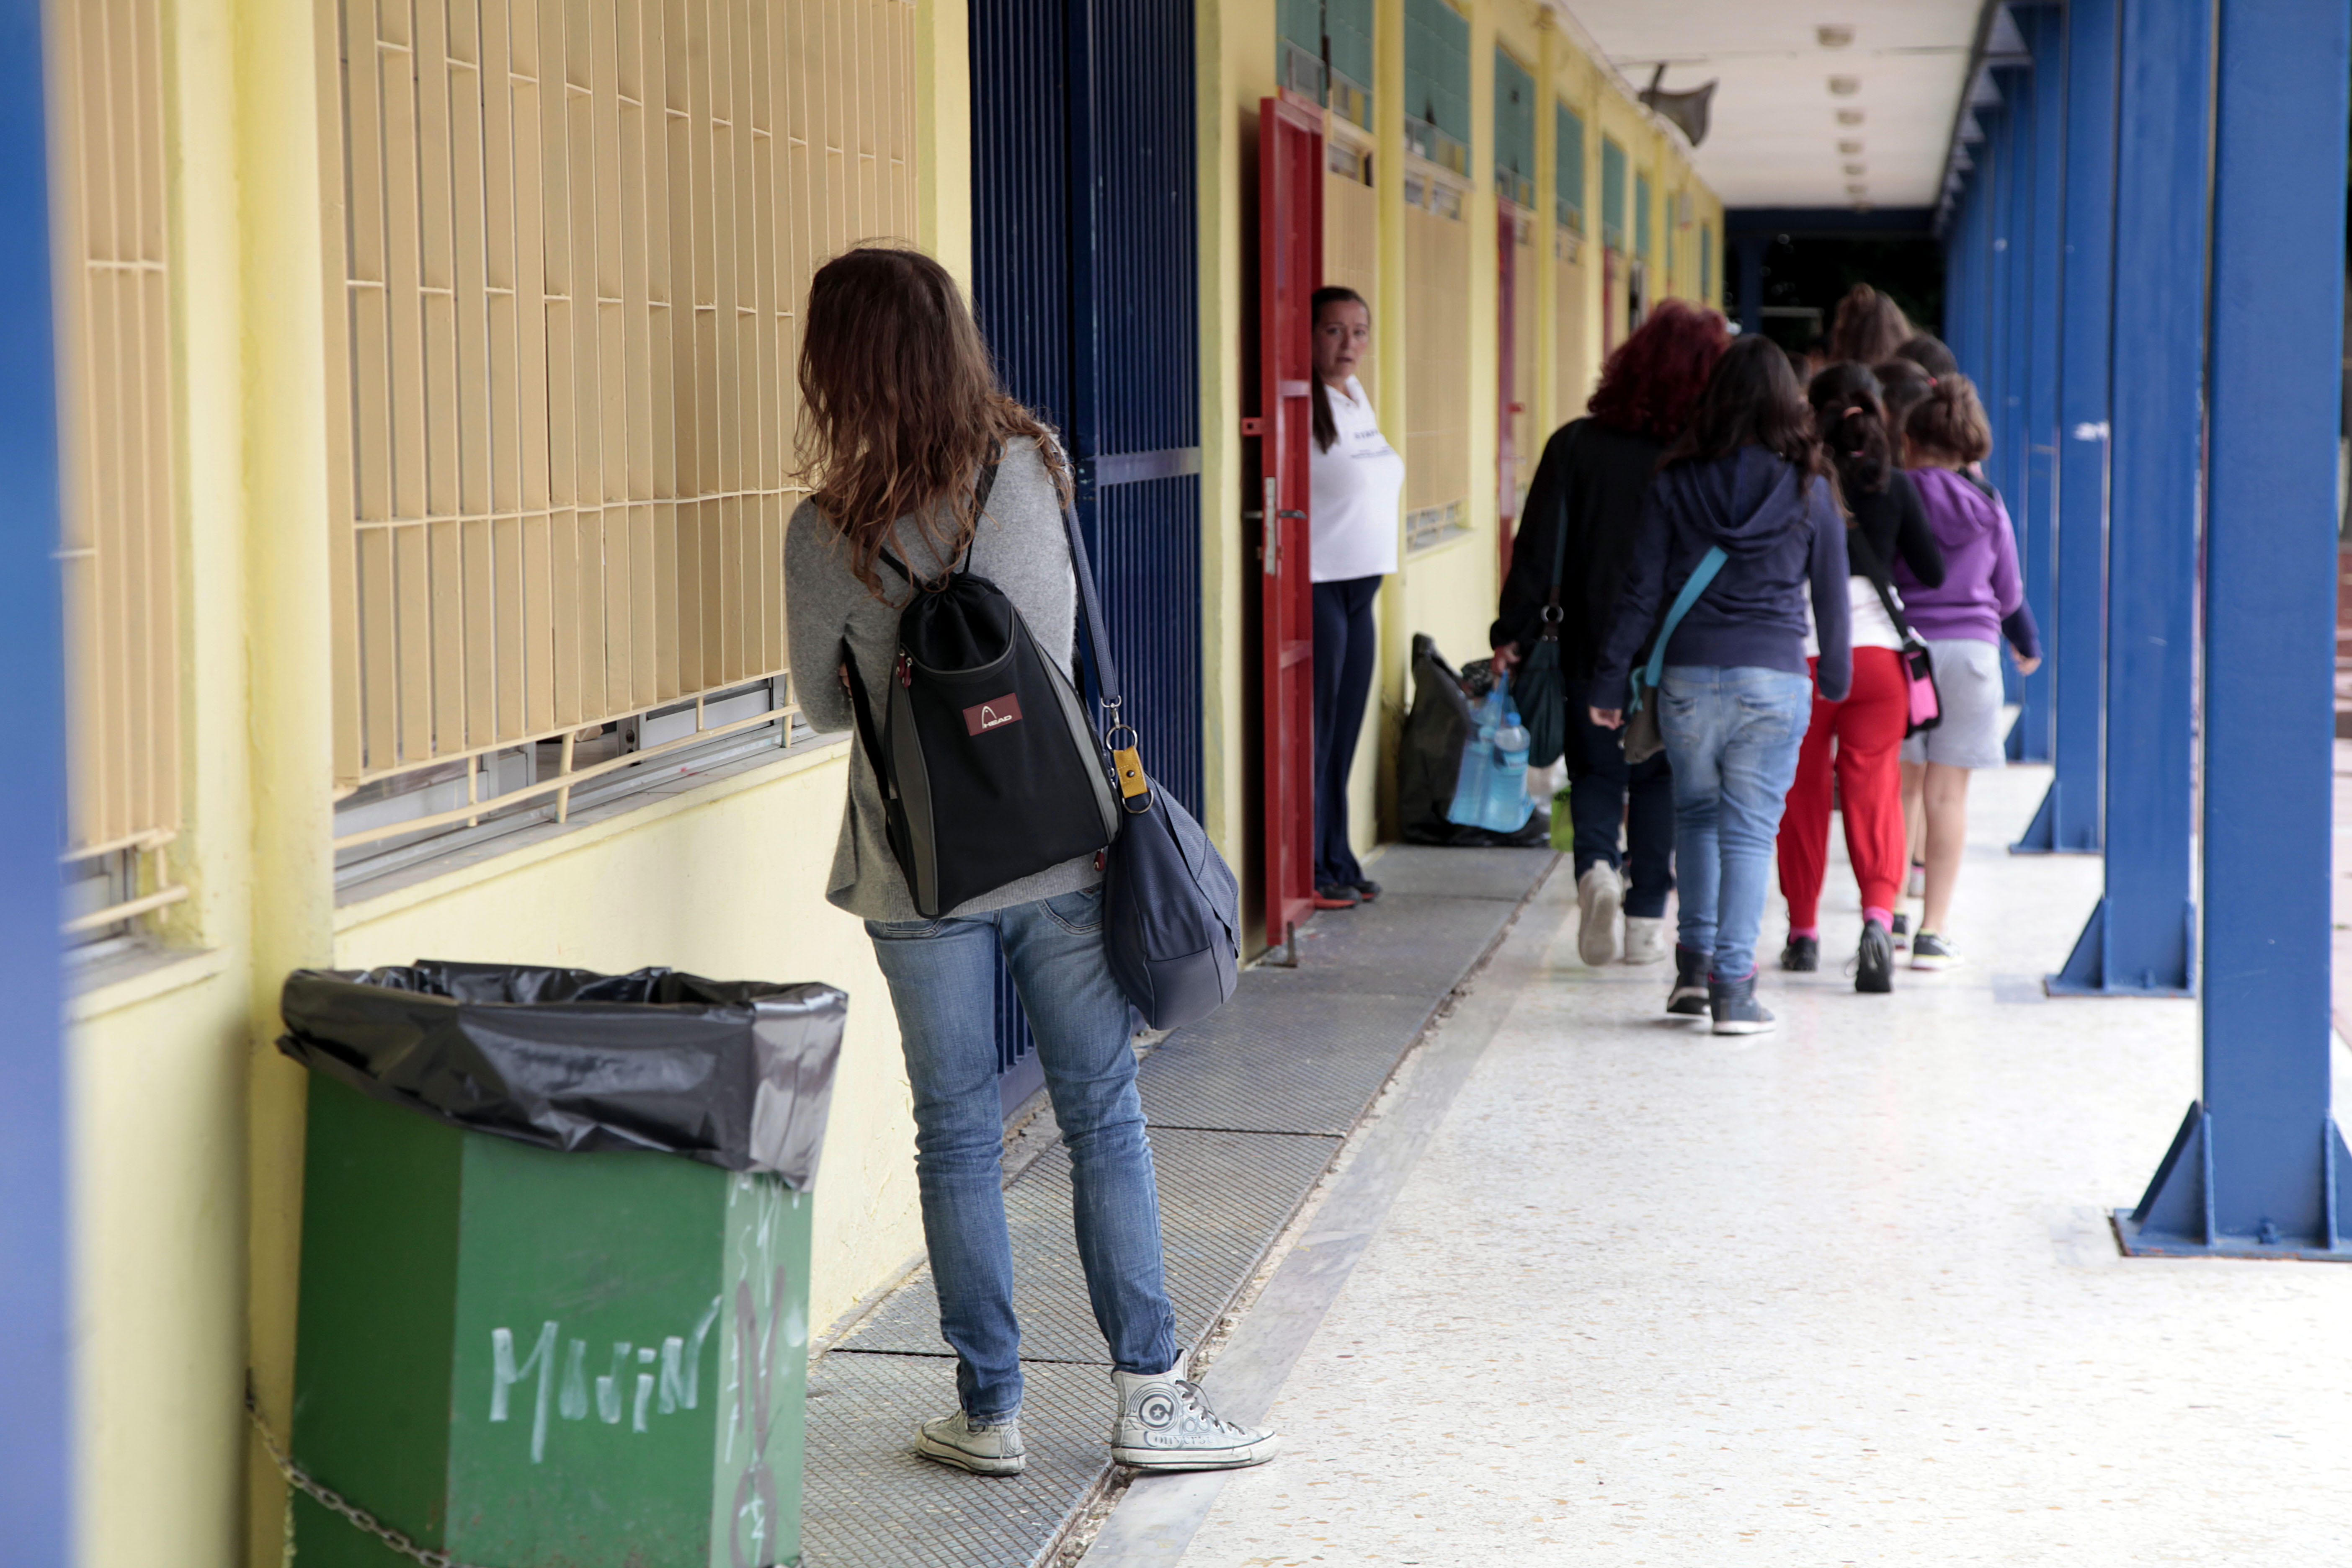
(1586, 500)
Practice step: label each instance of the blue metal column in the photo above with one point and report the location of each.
(2259, 1167)
(2075, 634)
(2035, 504)
(35, 1440)
(2006, 403)
(2138, 940)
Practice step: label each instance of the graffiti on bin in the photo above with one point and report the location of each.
(680, 1359)
(761, 1346)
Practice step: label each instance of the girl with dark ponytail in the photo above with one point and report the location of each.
(1357, 478)
(1885, 522)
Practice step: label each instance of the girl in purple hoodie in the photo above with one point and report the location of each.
(1962, 621)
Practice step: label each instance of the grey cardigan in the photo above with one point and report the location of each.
(1020, 547)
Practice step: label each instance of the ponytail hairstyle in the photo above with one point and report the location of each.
(1902, 387)
(1950, 422)
(1928, 351)
(899, 406)
(1751, 400)
(1869, 326)
(1326, 430)
(1849, 422)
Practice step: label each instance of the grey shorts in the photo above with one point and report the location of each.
(1968, 680)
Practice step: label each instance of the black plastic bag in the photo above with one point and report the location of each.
(1429, 757)
(733, 1073)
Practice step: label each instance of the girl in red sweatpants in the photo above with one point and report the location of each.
(1867, 729)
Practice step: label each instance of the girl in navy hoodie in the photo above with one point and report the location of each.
(1746, 478)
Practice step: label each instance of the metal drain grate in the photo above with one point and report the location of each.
(1222, 1197)
(1289, 1061)
(869, 1500)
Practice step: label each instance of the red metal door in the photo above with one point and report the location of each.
(1290, 266)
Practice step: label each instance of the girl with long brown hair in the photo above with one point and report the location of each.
(903, 429)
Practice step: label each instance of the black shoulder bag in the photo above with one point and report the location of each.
(1541, 687)
(1172, 907)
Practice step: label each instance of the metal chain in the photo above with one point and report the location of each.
(328, 1497)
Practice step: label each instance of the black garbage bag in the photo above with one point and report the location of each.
(1429, 758)
(733, 1073)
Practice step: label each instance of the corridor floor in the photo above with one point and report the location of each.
(1842, 1294)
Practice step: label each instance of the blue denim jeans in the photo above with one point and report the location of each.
(1732, 737)
(942, 976)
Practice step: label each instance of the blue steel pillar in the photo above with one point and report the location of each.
(34, 1437)
(2075, 634)
(2138, 940)
(2259, 1167)
(2034, 504)
(2005, 399)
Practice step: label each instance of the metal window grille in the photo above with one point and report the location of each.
(117, 553)
(575, 239)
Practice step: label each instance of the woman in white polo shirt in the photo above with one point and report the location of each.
(1358, 477)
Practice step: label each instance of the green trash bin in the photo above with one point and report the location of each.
(583, 1354)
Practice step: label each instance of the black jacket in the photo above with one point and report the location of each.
(1894, 522)
(1596, 475)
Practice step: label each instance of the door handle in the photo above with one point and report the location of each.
(1269, 550)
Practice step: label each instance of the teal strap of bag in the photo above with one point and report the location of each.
(1701, 575)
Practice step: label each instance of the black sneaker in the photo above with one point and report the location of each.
(1688, 998)
(1901, 934)
(1802, 955)
(1873, 961)
(1933, 950)
(1334, 895)
(1735, 1009)
(1366, 889)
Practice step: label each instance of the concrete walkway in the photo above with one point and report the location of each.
(1845, 1294)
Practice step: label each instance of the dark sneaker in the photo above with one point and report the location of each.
(1333, 896)
(1164, 1423)
(992, 1450)
(1688, 998)
(1366, 889)
(1873, 961)
(1901, 934)
(1735, 1009)
(1802, 955)
(1933, 950)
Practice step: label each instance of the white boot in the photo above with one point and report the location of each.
(1646, 939)
(1164, 1423)
(1599, 892)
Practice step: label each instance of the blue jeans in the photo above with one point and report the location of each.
(942, 976)
(1732, 737)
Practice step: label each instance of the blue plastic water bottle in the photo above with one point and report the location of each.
(1474, 784)
(1508, 804)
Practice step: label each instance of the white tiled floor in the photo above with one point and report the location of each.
(1843, 1294)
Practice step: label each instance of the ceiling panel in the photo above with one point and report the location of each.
(1775, 135)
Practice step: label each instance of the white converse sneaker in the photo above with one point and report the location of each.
(1645, 940)
(1599, 892)
(1165, 1424)
(994, 1450)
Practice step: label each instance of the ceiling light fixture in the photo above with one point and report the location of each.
(1850, 148)
(1857, 168)
(1834, 35)
(1845, 86)
(1857, 190)
(1848, 116)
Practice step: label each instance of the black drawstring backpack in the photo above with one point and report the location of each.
(990, 771)
(988, 768)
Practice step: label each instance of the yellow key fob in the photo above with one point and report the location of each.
(1131, 782)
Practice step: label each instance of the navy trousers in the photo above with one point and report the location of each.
(1345, 641)
(1604, 794)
